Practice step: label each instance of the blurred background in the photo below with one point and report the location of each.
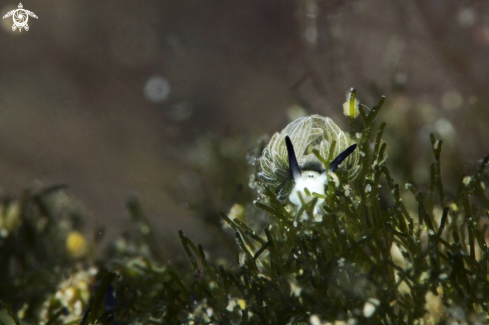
(165, 99)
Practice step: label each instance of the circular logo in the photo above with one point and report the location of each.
(20, 18)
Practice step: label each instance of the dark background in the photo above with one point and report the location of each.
(163, 99)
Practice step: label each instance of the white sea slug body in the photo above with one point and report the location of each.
(313, 181)
(291, 167)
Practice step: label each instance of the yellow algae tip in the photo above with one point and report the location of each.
(351, 106)
(242, 304)
(76, 244)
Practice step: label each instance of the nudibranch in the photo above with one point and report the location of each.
(289, 164)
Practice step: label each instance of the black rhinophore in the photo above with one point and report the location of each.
(342, 156)
(295, 171)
